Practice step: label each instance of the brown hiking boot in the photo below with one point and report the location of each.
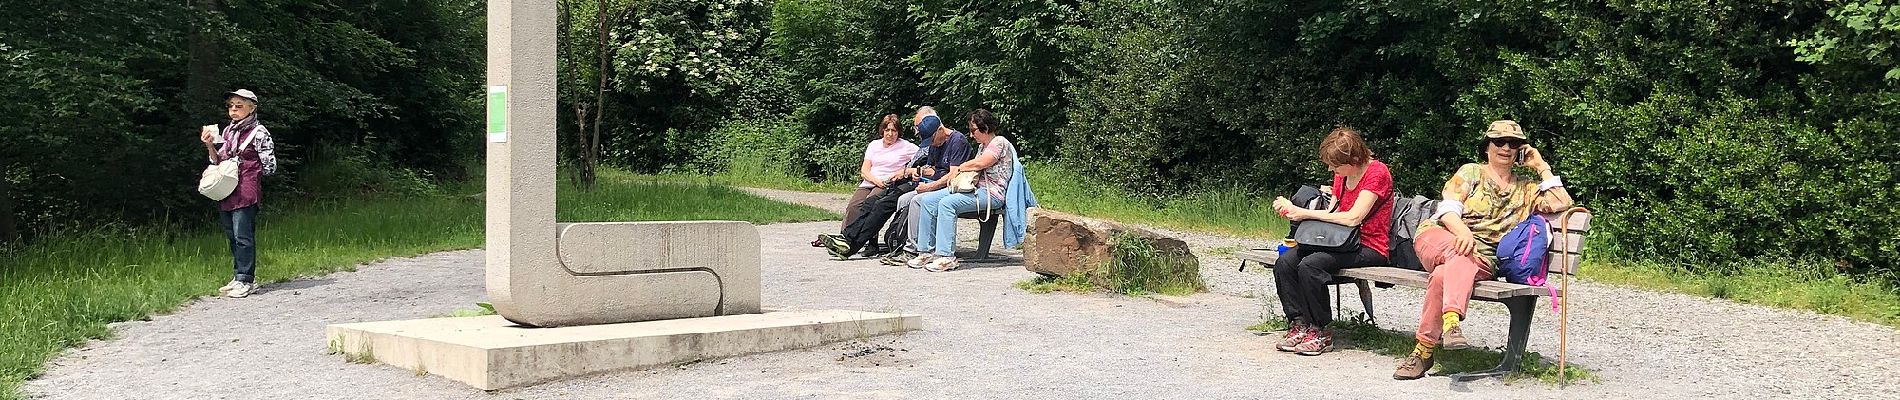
(1414, 367)
(1455, 339)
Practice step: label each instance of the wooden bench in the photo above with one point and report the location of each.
(1266, 257)
(1566, 255)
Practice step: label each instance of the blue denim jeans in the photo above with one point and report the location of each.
(240, 226)
(937, 229)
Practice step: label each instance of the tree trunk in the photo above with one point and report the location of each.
(582, 166)
(202, 80)
(600, 94)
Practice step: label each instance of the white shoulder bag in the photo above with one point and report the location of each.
(219, 180)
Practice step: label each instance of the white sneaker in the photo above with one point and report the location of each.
(919, 261)
(227, 286)
(942, 264)
(242, 289)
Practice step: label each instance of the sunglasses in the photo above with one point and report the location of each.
(1507, 142)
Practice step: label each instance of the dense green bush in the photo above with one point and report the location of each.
(1701, 131)
(1692, 127)
(101, 111)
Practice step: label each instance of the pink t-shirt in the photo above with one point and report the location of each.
(887, 160)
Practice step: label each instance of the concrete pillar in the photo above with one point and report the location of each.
(541, 273)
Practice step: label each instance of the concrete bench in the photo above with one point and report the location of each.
(1566, 255)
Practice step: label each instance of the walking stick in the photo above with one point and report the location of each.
(1563, 310)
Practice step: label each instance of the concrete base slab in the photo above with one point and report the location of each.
(491, 353)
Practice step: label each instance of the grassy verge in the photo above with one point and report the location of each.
(1229, 211)
(1789, 284)
(62, 291)
(753, 174)
(1356, 333)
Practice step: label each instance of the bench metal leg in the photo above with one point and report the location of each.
(986, 232)
(1365, 297)
(1336, 300)
(1522, 308)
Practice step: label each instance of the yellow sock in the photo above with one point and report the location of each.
(1423, 350)
(1451, 321)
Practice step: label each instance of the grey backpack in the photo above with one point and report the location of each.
(1407, 214)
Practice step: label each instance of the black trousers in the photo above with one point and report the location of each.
(1301, 277)
(872, 214)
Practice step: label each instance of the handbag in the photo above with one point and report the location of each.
(965, 182)
(219, 180)
(1327, 236)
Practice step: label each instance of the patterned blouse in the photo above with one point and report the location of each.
(1492, 210)
(995, 179)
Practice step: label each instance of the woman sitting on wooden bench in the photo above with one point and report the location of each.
(937, 227)
(1363, 186)
(1458, 245)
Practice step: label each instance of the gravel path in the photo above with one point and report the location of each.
(985, 339)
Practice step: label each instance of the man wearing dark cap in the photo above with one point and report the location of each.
(947, 148)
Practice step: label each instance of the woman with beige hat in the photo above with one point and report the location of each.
(250, 143)
(1458, 245)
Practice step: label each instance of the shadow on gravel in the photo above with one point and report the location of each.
(299, 284)
(1358, 333)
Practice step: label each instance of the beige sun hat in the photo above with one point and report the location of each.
(1505, 128)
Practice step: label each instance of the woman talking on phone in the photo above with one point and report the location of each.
(1458, 244)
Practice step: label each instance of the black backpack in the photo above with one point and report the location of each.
(897, 232)
(1311, 198)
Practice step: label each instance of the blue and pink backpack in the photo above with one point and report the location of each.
(1523, 254)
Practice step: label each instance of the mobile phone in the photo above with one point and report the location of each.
(1520, 156)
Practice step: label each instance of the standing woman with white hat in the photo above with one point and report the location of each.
(247, 141)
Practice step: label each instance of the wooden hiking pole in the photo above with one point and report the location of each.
(1563, 309)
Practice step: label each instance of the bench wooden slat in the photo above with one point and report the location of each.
(1263, 256)
(1579, 222)
(1565, 264)
(1571, 242)
(1491, 290)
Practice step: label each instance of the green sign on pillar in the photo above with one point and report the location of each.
(498, 114)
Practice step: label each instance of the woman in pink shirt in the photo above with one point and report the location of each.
(883, 159)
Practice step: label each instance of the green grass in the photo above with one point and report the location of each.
(1356, 333)
(1073, 283)
(756, 174)
(63, 290)
(1787, 284)
(480, 309)
(1228, 211)
(620, 196)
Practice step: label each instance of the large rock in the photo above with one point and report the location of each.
(1059, 244)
